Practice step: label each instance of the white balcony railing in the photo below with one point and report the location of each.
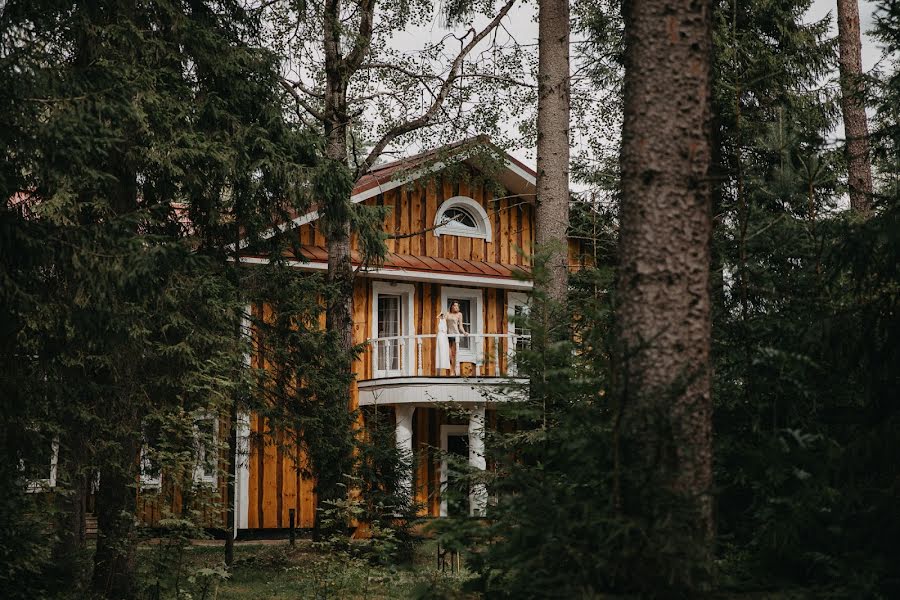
(479, 354)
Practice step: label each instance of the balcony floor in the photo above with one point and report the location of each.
(431, 391)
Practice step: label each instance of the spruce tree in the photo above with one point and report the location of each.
(139, 141)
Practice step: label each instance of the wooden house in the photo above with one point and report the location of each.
(479, 258)
(460, 236)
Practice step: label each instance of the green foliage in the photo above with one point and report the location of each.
(139, 141)
(801, 333)
(554, 530)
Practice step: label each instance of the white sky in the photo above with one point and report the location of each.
(521, 24)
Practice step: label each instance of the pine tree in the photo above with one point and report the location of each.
(664, 435)
(856, 126)
(140, 140)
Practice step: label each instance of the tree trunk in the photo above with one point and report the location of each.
(856, 126)
(552, 215)
(336, 221)
(664, 430)
(230, 514)
(71, 522)
(116, 511)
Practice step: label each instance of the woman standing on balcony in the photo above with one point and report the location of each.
(454, 330)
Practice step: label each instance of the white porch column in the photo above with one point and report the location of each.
(241, 456)
(242, 485)
(404, 430)
(478, 492)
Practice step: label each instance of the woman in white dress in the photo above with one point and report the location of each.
(454, 330)
(442, 345)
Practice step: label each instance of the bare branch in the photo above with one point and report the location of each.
(424, 119)
(364, 36)
(399, 69)
(499, 78)
(263, 6)
(400, 236)
(289, 86)
(299, 85)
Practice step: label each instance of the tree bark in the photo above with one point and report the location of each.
(664, 429)
(856, 126)
(71, 523)
(114, 565)
(552, 214)
(336, 220)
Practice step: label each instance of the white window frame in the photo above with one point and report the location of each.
(150, 482)
(407, 293)
(513, 299)
(482, 229)
(471, 354)
(446, 432)
(34, 486)
(199, 475)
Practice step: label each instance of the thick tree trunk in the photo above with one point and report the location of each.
(116, 512)
(664, 431)
(552, 216)
(336, 221)
(339, 315)
(71, 523)
(856, 126)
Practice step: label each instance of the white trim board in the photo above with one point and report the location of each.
(401, 275)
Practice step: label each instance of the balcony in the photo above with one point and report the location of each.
(402, 370)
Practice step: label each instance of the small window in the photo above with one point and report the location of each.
(463, 217)
(39, 469)
(460, 216)
(206, 448)
(151, 473)
(518, 310)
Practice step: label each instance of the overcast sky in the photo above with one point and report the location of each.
(521, 25)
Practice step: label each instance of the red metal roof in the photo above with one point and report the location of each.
(409, 262)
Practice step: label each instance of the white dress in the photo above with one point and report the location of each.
(442, 346)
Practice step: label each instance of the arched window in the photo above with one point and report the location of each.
(462, 216)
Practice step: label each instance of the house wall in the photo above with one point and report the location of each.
(415, 205)
(166, 500)
(275, 482)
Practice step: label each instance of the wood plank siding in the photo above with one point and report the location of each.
(414, 206)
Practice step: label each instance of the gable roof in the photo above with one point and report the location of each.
(515, 175)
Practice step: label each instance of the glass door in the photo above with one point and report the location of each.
(456, 489)
(390, 325)
(465, 308)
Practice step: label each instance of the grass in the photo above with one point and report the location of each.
(280, 571)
